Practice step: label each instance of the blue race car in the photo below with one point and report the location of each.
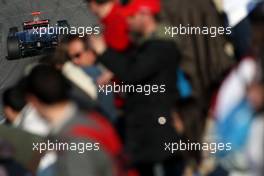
(35, 39)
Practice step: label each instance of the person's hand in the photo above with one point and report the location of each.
(98, 44)
(105, 78)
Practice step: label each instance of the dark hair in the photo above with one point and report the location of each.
(98, 1)
(14, 97)
(58, 58)
(70, 38)
(48, 84)
(193, 116)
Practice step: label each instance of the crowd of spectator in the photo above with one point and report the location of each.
(213, 94)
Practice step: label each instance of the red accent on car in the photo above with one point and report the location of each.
(35, 13)
(30, 23)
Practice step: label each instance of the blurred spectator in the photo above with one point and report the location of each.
(256, 96)
(115, 28)
(229, 111)
(115, 32)
(20, 114)
(245, 85)
(135, 48)
(147, 66)
(80, 54)
(256, 134)
(52, 102)
(84, 91)
(189, 120)
(204, 59)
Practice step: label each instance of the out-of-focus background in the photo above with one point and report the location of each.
(138, 99)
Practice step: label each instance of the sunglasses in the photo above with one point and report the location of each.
(77, 55)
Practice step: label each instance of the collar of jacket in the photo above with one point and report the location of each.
(70, 112)
(158, 34)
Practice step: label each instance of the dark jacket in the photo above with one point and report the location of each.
(154, 62)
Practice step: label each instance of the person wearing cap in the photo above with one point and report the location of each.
(153, 62)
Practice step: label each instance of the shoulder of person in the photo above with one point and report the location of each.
(161, 43)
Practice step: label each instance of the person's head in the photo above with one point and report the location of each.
(13, 102)
(101, 8)
(255, 95)
(47, 90)
(79, 52)
(142, 15)
(56, 59)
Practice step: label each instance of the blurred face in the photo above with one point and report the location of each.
(79, 55)
(256, 96)
(94, 7)
(136, 22)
